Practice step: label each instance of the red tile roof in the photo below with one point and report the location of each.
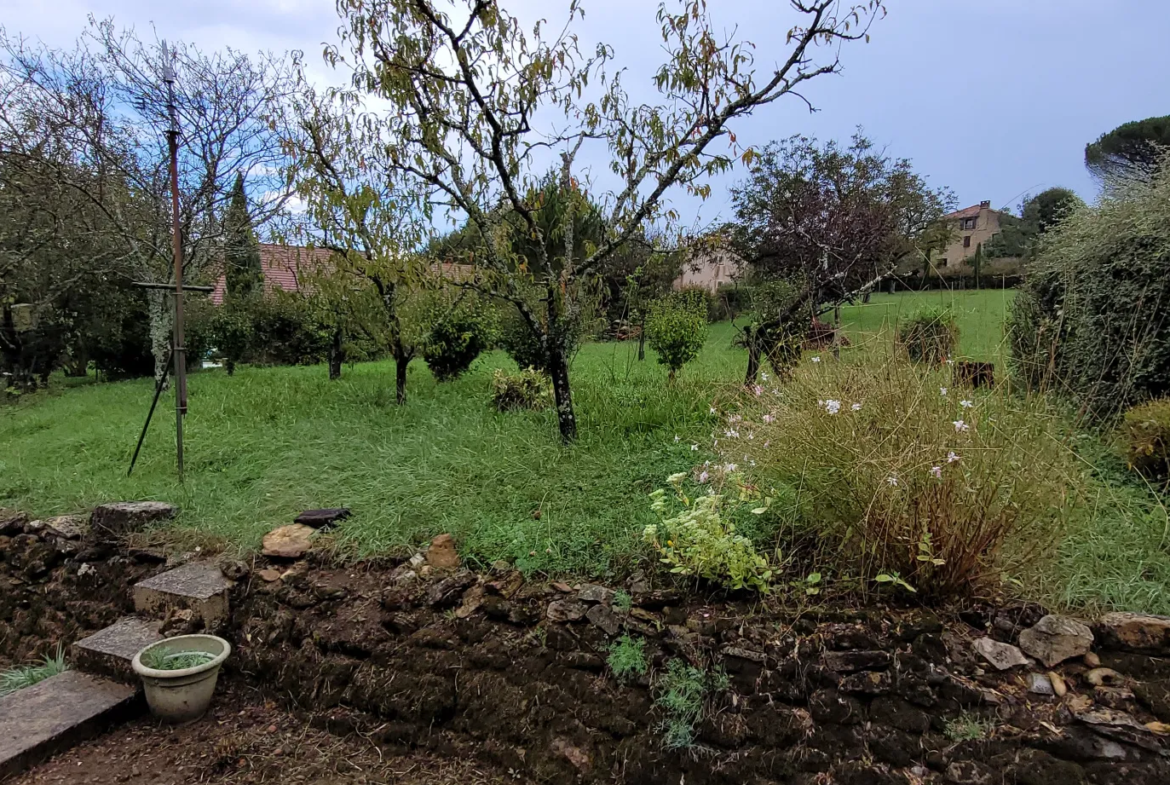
(283, 265)
(284, 268)
(966, 212)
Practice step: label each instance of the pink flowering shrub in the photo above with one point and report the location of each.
(945, 494)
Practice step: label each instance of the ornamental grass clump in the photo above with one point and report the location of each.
(906, 480)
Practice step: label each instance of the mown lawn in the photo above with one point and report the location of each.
(979, 316)
(269, 442)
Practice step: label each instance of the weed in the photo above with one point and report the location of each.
(967, 727)
(161, 659)
(627, 658)
(701, 541)
(622, 602)
(680, 692)
(23, 676)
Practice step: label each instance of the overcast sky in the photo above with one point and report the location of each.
(994, 98)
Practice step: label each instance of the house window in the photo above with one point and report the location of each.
(967, 241)
(968, 223)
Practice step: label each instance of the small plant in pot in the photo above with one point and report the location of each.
(179, 675)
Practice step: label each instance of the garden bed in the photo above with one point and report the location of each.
(513, 675)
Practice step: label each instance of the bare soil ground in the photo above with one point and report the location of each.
(247, 740)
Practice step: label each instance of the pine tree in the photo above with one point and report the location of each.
(240, 249)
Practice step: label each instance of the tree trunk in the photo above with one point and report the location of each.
(642, 340)
(400, 377)
(558, 369)
(230, 365)
(753, 366)
(335, 357)
(160, 331)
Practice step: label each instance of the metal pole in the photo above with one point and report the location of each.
(177, 241)
(158, 388)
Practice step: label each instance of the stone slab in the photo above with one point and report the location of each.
(198, 586)
(120, 518)
(52, 716)
(109, 652)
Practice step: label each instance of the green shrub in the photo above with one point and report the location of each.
(929, 336)
(1091, 319)
(699, 541)
(232, 330)
(681, 692)
(1145, 437)
(528, 389)
(284, 332)
(622, 601)
(524, 346)
(459, 336)
(676, 328)
(627, 658)
(906, 483)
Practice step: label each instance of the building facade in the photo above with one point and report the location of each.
(974, 227)
(712, 269)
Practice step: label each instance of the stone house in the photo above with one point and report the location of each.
(710, 270)
(974, 227)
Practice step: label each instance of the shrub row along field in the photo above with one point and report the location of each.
(268, 442)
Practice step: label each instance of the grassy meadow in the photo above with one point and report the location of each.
(269, 442)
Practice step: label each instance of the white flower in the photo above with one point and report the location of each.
(729, 467)
(734, 418)
(703, 477)
(832, 407)
(952, 457)
(960, 426)
(713, 410)
(694, 448)
(753, 463)
(731, 433)
(677, 439)
(767, 443)
(892, 481)
(764, 375)
(758, 390)
(966, 404)
(769, 418)
(936, 472)
(942, 391)
(856, 407)
(751, 435)
(816, 359)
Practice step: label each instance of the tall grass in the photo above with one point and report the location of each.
(22, 676)
(904, 477)
(269, 442)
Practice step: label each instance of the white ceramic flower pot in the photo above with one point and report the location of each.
(182, 695)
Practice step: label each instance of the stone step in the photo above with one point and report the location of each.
(109, 652)
(198, 586)
(53, 715)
